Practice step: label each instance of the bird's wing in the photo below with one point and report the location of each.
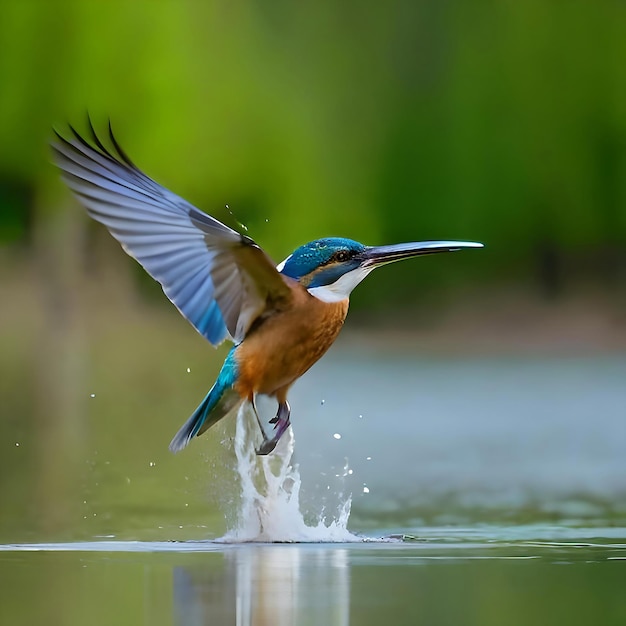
(220, 280)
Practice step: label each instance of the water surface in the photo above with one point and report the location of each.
(459, 576)
(483, 491)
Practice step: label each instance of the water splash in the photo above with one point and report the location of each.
(270, 493)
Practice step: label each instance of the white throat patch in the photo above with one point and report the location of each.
(342, 287)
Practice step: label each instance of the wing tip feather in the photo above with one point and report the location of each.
(93, 142)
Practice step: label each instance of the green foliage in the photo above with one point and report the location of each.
(502, 122)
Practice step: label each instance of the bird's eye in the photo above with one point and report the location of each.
(342, 255)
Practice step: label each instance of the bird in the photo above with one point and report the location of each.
(280, 318)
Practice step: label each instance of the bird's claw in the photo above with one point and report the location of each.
(266, 447)
(281, 424)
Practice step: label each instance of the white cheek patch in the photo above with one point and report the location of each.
(281, 266)
(342, 287)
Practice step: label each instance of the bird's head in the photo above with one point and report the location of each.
(331, 268)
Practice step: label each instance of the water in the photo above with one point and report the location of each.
(269, 507)
(450, 576)
(466, 440)
(498, 485)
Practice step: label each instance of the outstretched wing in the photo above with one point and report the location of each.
(220, 280)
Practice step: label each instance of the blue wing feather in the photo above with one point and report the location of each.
(218, 279)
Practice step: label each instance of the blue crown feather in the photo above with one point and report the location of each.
(315, 254)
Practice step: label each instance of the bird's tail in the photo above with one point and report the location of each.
(216, 405)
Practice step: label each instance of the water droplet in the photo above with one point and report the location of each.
(188, 370)
(92, 395)
(366, 489)
(368, 458)
(346, 468)
(337, 436)
(152, 463)
(322, 402)
(350, 472)
(360, 417)
(17, 444)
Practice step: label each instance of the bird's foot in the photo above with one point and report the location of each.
(266, 447)
(281, 424)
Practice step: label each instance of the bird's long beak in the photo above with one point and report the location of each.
(380, 255)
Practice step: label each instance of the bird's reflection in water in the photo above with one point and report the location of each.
(266, 585)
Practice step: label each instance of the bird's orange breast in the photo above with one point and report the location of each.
(287, 344)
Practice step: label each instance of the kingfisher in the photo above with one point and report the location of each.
(281, 318)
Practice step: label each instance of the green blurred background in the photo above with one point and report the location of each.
(498, 121)
(501, 122)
